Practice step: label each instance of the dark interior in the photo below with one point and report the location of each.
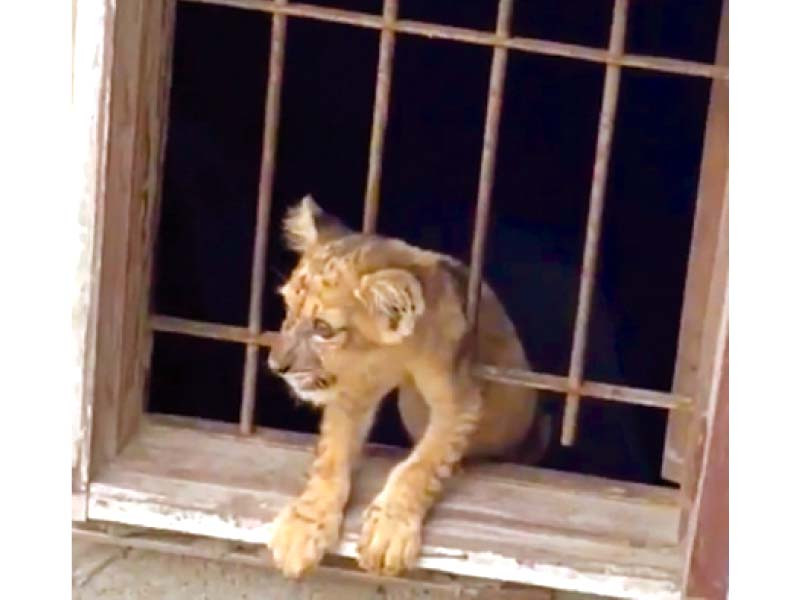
(429, 185)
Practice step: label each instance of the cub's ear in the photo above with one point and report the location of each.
(394, 299)
(307, 225)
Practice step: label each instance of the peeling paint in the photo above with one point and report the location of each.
(141, 509)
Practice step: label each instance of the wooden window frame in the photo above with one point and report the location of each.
(506, 522)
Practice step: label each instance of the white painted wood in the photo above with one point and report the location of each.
(91, 70)
(503, 522)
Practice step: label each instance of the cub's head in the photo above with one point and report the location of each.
(351, 308)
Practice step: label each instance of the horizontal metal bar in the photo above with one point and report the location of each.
(483, 38)
(212, 331)
(520, 377)
(593, 389)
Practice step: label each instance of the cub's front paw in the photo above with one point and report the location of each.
(390, 539)
(302, 532)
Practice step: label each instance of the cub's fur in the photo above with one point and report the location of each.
(364, 315)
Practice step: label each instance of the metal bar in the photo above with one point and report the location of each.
(602, 391)
(383, 84)
(494, 105)
(268, 151)
(211, 331)
(596, 200)
(520, 377)
(484, 38)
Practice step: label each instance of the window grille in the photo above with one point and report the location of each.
(115, 458)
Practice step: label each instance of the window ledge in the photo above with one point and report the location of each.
(505, 522)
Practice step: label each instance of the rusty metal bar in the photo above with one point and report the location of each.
(211, 331)
(520, 377)
(494, 105)
(594, 389)
(484, 38)
(383, 85)
(268, 151)
(596, 200)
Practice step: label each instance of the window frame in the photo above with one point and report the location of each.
(121, 74)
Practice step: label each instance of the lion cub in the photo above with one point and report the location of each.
(364, 315)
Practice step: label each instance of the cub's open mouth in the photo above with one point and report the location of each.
(308, 381)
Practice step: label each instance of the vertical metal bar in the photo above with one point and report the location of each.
(596, 199)
(494, 104)
(268, 151)
(383, 84)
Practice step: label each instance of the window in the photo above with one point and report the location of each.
(215, 478)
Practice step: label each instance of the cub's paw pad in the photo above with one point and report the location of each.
(301, 535)
(390, 539)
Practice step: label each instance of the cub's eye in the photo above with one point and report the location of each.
(323, 329)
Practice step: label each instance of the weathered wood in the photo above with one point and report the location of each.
(504, 522)
(152, 110)
(706, 561)
(575, 484)
(114, 308)
(483, 38)
(708, 224)
(139, 76)
(91, 74)
(712, 347)
(79, 504)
